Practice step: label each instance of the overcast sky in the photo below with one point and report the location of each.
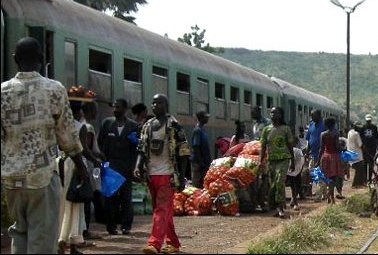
(281, 25)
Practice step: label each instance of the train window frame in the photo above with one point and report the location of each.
(136, 66)
(222, 91)
(234, 94)
(75, 65)
(101, 51)
(179, 86)
(269, 102)
(247, 97)
(259, 99)
(164, 71)
(203, 100)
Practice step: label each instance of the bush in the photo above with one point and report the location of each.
(304, 235)
(358, 203)
(334, 217)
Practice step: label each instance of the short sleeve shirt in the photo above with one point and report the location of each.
(35, 118)
(201, 140)
(313, 138)
(276, 140)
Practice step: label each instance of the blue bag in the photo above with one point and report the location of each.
(347, 156)
(111, 180)
(317, 175)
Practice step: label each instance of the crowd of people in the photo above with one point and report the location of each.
(47, 138)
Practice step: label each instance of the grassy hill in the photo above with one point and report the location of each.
(323, 73)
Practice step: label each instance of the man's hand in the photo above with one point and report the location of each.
(80, 166)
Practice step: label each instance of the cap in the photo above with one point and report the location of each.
(368, 117)
(202, 114)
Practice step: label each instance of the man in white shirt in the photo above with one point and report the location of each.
(355, 144)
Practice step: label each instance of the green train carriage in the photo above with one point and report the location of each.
(117, 59)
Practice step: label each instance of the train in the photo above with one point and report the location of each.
(117, 59)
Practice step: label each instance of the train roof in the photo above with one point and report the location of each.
(74, 18)
(298, 92)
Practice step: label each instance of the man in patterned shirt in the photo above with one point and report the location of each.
(35, 119)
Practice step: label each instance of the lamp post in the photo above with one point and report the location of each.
(348, 11)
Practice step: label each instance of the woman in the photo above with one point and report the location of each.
(240, 136)
(329, 157)
(277, 145)
(73, 221)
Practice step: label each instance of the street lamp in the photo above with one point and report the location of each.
(348, 11)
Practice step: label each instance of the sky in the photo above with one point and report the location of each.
(278, 25)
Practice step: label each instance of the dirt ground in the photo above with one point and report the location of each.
(202, 234)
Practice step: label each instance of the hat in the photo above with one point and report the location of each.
(368, 117)
(202, 114)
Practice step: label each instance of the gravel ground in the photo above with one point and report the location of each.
(200, 234)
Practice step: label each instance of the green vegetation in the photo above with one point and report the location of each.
(304, 235)
(359, 203)
(322, 73)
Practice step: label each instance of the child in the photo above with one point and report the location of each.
(294, 177)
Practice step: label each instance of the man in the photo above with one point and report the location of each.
(163, 155)
(35, 119)
(119, 149)
(316, 127)
(354, 143)
(259, 122)
(369, 136)
(201, 157)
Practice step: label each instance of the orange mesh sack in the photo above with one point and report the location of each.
(243, 172)
(227, 203)
(178, 203)
(251, 148)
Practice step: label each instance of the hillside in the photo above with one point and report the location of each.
(323, 73)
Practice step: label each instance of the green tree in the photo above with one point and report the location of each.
(120, 8)
(197, 39)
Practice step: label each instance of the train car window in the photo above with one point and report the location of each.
(163, 72)
(202, 94)
(220, 91)
(100, 61)
(183, 94)
(259, 100)
(234, 104)
(234, 94)
(70, 63)
(159, 80)
(220, 101)
(269, 102)
(247, 97)
(183, 82)
(132, 70)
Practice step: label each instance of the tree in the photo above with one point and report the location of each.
(120, 8)
(196, 39)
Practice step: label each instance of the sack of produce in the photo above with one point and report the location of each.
(227, 203)
(214, 173)
(251, 148)
(179, 199)
(243, 172)
(220, 186)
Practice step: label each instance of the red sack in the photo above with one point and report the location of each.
(234, 150)
(243, 173)
(214, 173)
(227, 203)
(220, 186)
(178, 204)
(189, 206)
(203, 205)
(251, 148)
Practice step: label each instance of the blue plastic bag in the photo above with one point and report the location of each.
(111, 180)
(317, 176)
(347, 156)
